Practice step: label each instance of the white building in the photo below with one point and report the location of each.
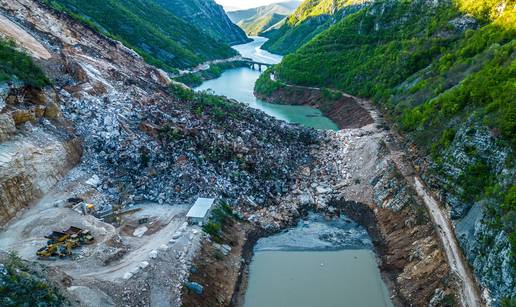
(200, 211)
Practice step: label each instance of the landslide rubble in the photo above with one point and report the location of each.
(144, 143)
(115, 131)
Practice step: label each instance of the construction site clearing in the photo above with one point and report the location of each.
(88, 245)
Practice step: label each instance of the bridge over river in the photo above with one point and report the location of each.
(255, 64)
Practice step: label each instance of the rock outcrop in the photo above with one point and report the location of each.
(36, 151)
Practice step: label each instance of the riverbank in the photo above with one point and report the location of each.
(195, 79)
(342, 109)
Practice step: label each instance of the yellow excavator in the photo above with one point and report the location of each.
(61, 244)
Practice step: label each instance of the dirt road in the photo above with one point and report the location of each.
(469, 292)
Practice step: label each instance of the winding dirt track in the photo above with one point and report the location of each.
(469, 292)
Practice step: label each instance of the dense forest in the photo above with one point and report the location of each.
(308, 20)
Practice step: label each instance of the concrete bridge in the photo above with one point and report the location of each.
(256, 65)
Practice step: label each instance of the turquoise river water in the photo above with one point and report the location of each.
(239, 83)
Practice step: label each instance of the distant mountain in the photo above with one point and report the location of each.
(257, 20)
(209, 18)
(155, 33)
(229, 8)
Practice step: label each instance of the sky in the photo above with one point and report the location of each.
(245, 4)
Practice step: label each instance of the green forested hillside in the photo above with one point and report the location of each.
(257, 20)
(310, 9)
(16, 65)
(446, 74)
(308, 20)
(372, 55)
(208, 17)
(256, 26)
(156, 34)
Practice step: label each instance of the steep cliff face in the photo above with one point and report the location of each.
(33, 157)
(208, 17)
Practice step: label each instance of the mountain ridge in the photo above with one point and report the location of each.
(155, 33)
(257, 20)
(208, 17)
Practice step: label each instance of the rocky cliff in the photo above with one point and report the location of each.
(208, 17)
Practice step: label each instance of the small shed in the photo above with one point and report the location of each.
(200, 211)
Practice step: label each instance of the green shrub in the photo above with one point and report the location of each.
(217, 107)
(265, 85)
(220, 216)
(475, 180)
(21, 286)
(182, 92)
(15, 64)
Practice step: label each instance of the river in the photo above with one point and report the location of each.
(319, 262)
(239, 83)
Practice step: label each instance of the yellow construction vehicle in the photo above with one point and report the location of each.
(48, 251)
(83, 236)
(61, 244)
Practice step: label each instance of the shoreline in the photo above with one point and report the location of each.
(197, 78)
(343, 110)
(249, 252)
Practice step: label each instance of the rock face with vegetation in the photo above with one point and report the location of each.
(208, 17)
(444, 71)
(32, 159)
(257, 20)
(154, 31)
